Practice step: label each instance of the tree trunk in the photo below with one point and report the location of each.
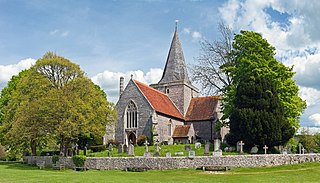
(33, 147)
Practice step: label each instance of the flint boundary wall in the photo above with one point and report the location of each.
(159, 163)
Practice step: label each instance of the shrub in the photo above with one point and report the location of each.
(111, 141)
(78, 160)
(98, 148)
(141, 140)
(55, 158)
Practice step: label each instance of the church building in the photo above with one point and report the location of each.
(169, 111)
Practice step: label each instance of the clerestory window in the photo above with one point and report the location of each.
(132, 117)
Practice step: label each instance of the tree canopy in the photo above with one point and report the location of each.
(54, 100)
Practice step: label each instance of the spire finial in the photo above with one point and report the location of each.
(176, 28)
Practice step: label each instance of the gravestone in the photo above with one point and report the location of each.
(146, 143)
(254, 150)
(241, 147)
(300, 148)
(192, 153)
(179, 153)
(207, 149)
(85, 150)
(131, 150)
(120, 148)
(217, 153)
(187, 148)
(147, 155)
(110, 147)
(125, 148)
(157, 149)
(303, 150)
(265, 149)
(197, 145)
(216, 144)
(238, 147)
(284, 151)
(226, 149)
(168, 155)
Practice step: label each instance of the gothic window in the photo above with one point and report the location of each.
(132, 117)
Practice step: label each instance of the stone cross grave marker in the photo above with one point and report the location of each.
(146, 143)
(207, 149)
(241, 147)
(216, 145)
(265, 149)
(192, 153)
(120, 148)
(157, 149)
(131, 150)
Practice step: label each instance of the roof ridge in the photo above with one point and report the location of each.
(136, 81)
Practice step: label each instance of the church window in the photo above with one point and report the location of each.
(132, 116)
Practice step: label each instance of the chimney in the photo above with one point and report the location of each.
(121, 86)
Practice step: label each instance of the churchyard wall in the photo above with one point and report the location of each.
(121, 163)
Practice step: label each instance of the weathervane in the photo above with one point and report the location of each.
(177, 21)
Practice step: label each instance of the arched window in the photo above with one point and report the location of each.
(132, 117)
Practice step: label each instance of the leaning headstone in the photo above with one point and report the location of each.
(192, 153)
(254, 150)
(187, 148)
(216, 146)
(168, 155)
(197, 145)
(130, 150)
(207, 149)
(125, 148)
(120, 148)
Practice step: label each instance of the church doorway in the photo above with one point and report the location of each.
(132, 138)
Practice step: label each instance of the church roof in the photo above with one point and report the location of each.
(181, 131)
(175, 69)
(202, 108)
(159, 101)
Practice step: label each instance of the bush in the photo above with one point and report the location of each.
(49, 153)
(55, 158)
(2, 153)
(78, 160)
(141, 140)
(98, 148)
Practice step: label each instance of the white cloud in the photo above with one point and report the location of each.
(7, 71)
(311, 95)
(186, 30)
(196, 35)
(109, 81)
(58, 32)
(315, 118)
(64, 34)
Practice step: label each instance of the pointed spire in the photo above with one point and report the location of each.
(175, 68)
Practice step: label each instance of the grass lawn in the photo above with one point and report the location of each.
(307, 172)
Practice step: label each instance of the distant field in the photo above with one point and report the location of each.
(307, 172)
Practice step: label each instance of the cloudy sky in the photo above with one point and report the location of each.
(109, 39)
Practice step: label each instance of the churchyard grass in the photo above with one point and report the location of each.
(307, 172)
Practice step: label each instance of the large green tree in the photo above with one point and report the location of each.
(55, 100)
(254, 60)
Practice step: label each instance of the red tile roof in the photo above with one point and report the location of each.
(202, 108)
(181, 131)
(159, 101)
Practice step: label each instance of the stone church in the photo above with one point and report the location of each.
(169, 111)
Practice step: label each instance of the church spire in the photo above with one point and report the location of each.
(175, 68)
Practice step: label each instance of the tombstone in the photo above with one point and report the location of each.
(179, 153)
(216, 144)
(146, 143)
(85, 150)
(192, 153)
(187, 148)
(147, 155)
(197, 145)
(300, 148)
(303, 150)
(157, 149)
(254, 150)
(238, 147)
(207, 149)
(284, 151)
(241, 147)
(131, 150)
(265, 149)
(110, 147)
(125, 148)
(226, 149)
(168, 155)
(120, 148)
(217, 153)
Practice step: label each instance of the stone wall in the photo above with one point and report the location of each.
(102, 163)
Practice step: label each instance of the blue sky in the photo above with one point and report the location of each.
(109, 39)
